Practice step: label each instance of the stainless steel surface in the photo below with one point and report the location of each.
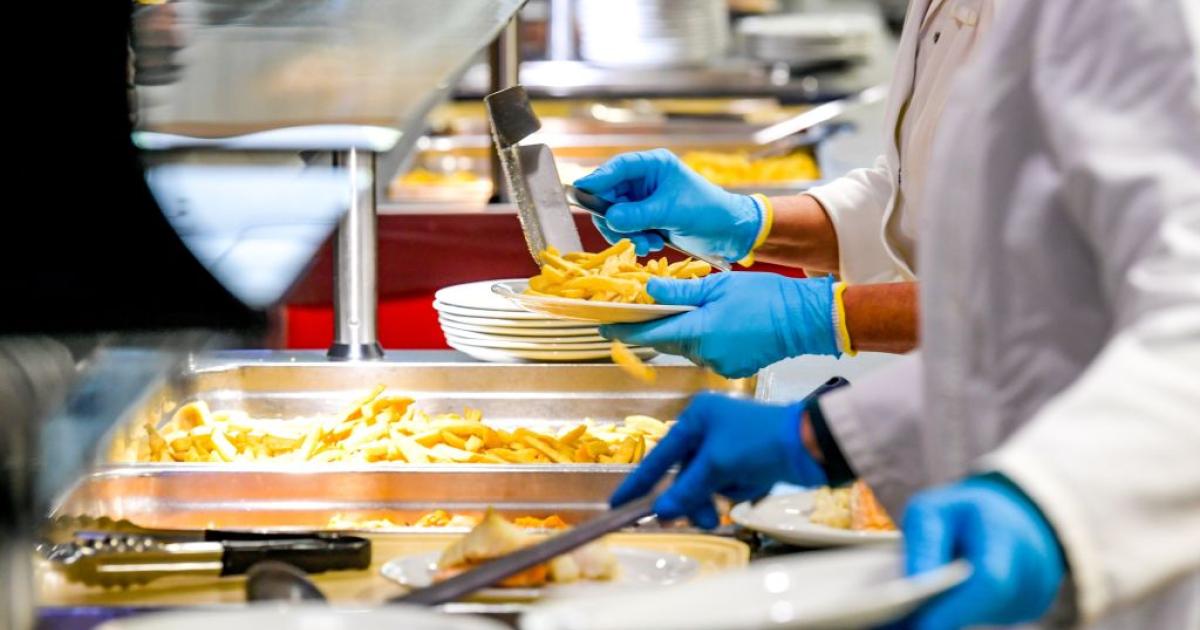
(531, 175)
(819, 115)
(286, 385)
(497, 569)
(355, 299)
(561, 46)
(598, 206)
(329, 68)
(504, 63)
(126, 560)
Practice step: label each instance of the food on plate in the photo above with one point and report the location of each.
(854, 508)
(739, 169)
(612, 275)
(439, 518)
(384, 428)
(631, 364)
(495, 537)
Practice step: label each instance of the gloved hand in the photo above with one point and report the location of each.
(653, 190)
(734, 447)
(991, 523)
(746, 321)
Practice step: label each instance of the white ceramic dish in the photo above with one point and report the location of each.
(493, 355)
(785, 518)
(847, 588)
(527, 343)
(603, 312)
(475, 296)
(458, 311)
(293, 616)
(531, 322)
(515, 332)
(637, 568)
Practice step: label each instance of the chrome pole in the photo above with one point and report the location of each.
(355, 297)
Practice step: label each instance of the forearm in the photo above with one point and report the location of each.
(801, 235)
(882, 317)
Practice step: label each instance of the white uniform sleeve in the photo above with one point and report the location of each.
(877, 425)
(856, 204)
(1114, 461)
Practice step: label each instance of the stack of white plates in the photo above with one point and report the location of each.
(652, 33)
(488, 327)
(809, 38)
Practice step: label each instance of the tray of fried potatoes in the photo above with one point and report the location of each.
(387, 428)
(607, 287)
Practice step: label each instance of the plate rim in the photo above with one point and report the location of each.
(820, 535)
(504, 289)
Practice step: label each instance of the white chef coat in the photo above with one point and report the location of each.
(874, 210)
(1060, 301)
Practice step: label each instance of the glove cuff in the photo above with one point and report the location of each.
(766, 219)
(803, 470)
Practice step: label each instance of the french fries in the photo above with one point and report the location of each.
(383, 428)
(625, 359)
(739, 169)
(612, 275)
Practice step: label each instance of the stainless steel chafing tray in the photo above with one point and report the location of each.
(286, 385)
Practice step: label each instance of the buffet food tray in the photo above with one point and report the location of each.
(304, 495)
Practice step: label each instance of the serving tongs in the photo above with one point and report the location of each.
(121, 554)
(543, 204)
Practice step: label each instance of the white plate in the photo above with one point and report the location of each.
(785, 517)
(291, 616)
(536, 343)
(593, 342)
(565, 324)
(636, 568)
(517, 332)
(493, 355)
(604, 312)
(846, 588)
(458, 311)
(476, 296)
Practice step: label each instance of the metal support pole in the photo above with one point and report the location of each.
(354, 291)
(561, 46)
(504, 61)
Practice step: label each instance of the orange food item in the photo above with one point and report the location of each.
(553, 521)
(865, 511)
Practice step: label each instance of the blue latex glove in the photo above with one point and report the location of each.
(653, 190)
(746, 321)
(729, 446)
(987, 520)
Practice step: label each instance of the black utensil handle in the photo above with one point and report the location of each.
(311, 555)
(496, 570)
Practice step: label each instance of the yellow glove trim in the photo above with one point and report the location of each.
(843, 332)
(763, 230)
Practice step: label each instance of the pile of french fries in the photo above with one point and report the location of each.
(381, 428)
(612, 275)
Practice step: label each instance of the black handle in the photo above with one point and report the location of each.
(315, 553)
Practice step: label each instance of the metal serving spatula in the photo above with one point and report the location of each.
(542, 203)
(532, 176)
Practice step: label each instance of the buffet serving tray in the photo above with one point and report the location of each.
(305, 495)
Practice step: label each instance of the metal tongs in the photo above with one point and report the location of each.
(123, 554)
(542, 201)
